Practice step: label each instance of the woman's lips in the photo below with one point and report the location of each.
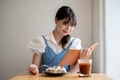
(65, 31)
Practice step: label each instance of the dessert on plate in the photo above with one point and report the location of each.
(56, 69)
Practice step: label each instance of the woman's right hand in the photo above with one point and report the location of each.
(85, 53)
(33, 69)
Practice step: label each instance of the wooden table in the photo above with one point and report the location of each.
(64, 77)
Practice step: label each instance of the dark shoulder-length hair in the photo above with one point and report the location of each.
(65, 12)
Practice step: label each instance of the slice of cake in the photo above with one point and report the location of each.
(56, 69)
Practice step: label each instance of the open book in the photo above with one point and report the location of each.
(71, 57)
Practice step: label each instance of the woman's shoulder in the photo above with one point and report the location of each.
(37, 40)
(76, 39)
(48, 35)
(76, 43)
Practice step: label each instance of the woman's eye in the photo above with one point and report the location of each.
(65, 23)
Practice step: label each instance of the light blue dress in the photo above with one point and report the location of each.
(50, 58)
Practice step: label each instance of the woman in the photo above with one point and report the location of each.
(49, 49)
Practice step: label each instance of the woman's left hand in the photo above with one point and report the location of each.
(85, 53)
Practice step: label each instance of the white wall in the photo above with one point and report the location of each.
(98, 36)
(112, 20)
(21, 20)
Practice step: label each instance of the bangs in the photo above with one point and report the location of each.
(72, 21)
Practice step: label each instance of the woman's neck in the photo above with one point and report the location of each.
(57, 37)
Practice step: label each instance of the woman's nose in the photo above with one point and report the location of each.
(68, 27)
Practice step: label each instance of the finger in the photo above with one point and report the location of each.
(81, 52)
(33, 70)
(82, 55)
(89, 51)
(85, 52)
(29, 69)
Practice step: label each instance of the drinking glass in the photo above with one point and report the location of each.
(85, 67)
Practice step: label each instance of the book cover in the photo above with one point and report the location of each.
(71, 57)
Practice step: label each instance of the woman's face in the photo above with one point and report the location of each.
(62, 28)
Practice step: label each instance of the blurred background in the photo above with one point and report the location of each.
(22, 20)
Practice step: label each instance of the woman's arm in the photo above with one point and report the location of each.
(84, 54)
(36, 59)
(33, 68)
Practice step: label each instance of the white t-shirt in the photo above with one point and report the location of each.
(37, 45)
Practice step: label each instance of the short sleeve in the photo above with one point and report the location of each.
(76, 44)
(37, 45)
